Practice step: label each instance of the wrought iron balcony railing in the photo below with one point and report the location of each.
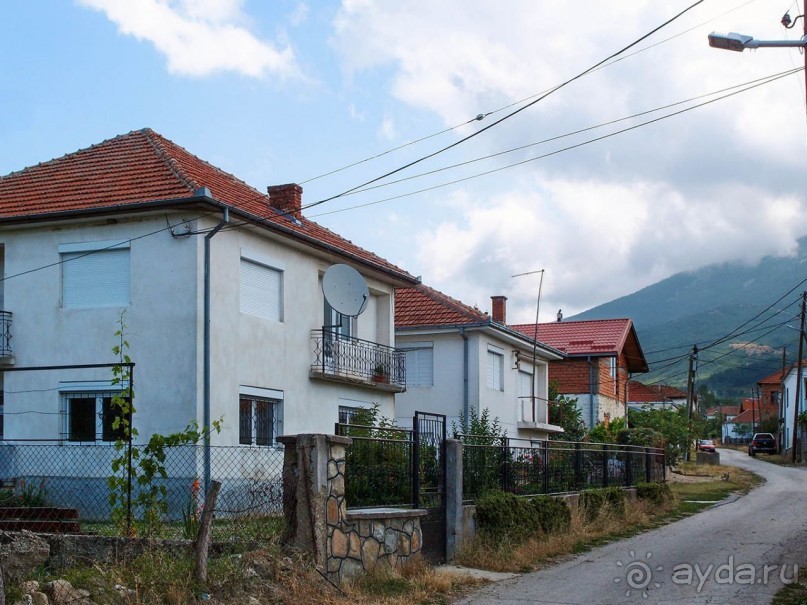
(5, 334)
(347, 359)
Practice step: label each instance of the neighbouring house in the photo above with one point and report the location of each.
(793, 406)
(460, 359)
(655, 396)
(219, 285)
(726, 411)
(770, 392)
(752, 413)
(601, 355)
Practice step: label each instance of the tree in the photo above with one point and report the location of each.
(564, 412)
(672, 424)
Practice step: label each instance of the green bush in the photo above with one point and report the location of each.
(553, 514)
(502, 515)
(657, 493)
(596, 501)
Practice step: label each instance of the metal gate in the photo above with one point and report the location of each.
(429, 486)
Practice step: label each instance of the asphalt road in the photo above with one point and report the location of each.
(737, 552)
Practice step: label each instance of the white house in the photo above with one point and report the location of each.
(220, 287)
(789, 409)
(459, 359)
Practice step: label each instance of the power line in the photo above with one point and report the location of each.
(482, 115)
(546, 155)
(509, 115)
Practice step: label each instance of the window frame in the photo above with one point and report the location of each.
(101, 413)
(416, 349)
(71, 255)
(252, 304)
(261, 432)
(495, 368)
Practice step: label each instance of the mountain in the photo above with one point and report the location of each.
(716, 302)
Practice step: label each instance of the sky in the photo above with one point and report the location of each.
(333, 95)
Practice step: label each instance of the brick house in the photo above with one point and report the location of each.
(659, 396)
(601, 357)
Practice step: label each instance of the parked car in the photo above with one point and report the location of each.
(762, 442)
(706, 445)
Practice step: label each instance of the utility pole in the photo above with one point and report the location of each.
(799, 369)
(693, 358)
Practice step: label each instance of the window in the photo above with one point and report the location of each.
(261, 290)
(258, 420)
(92, 415)
(612, 367)
(342, 325)
(348, 414)
(419, 365)
(495, 368)
(95, 275)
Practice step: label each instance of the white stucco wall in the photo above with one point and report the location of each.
(446, 395)
(160, 319)
(165, 329)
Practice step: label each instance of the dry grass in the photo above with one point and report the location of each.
(583, 534)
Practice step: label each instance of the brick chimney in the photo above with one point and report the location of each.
(287, 198)
(499, 312)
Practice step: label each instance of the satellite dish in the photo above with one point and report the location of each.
(345, 290)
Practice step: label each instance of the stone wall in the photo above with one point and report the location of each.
(344, 543)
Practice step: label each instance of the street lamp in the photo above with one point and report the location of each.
(739, 42)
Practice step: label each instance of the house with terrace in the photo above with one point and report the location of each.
(218, 286)
(461, 361)
(600, 357)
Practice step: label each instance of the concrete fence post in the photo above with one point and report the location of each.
(454, 510)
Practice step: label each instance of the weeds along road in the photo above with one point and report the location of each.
(737, 552)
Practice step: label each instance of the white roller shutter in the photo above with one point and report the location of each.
(261, 290)
(96, 279)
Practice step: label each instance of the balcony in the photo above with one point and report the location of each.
(532, 414)
(6, 356)
(344, 359)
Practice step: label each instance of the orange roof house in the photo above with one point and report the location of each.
(221, 286)
(655, 395)
(601, 356)
(461, 361)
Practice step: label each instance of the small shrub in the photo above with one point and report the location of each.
(656, 493)
(595, 501)
(553, 514)
(505, 516)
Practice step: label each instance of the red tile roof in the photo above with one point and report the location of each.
(423, 306)
(131, 170)
(775, 378)
(749, 416)
(598, 337)
(726, 410)
(651, 393)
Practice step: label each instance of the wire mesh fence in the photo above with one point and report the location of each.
(553, 467)
(67, 487)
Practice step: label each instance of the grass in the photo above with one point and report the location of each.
(714, 484)
(793, 594)
(272, 575)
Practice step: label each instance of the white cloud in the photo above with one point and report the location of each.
(198, 37)
(713, 185)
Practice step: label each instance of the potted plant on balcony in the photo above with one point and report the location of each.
(380, 373)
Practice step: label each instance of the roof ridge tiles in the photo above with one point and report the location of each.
(173, 164)
(457, 305)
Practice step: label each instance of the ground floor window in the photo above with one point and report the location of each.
(91, 417)
(348, 414)
(258, 420)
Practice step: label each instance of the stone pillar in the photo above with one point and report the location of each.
(454, 509)
(307, 463)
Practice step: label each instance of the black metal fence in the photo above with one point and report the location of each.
(51, 477)
(553, 467)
